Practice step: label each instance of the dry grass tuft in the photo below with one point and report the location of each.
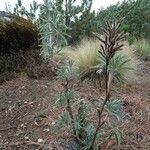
(142, 47)
(128, 66)
(84, 55)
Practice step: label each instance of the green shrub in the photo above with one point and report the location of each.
(29, 62)
(16, 34)
(143, 48)
(82, 126)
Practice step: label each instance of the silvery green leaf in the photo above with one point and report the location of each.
(63, 97)
(62, 120)
(90, 130)
(115, 108)
(117, 134)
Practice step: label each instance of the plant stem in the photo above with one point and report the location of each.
(69, 109)
(107, 96)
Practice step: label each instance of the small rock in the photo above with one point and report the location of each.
(53, 123)
(40, 140)
(46, 130)
(26, 138)
(22, 125)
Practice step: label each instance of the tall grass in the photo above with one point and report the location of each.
(85, 57)
(142, 47)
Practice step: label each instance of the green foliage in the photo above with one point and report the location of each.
(119, 67)
(83, 26)
(20, 10)
(17, 34)
(135, 13)
(142, 46)
(66, 72)
(62, 121)
(31, 15)
(117, 135)
(77, 17)
(83, 128)
(63, 97)
(110, 130)
(115, 108)
(82, 21)
(52, 29)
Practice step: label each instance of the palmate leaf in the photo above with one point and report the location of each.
(115, 108)
(117, 134)
(62, 121)
(90, 130)
(89, 134)
(66, 72)
(63, 97)
(86, 131)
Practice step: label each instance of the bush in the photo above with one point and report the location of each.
(16, 34)
(30, 62)
(143, 49)
(43, 69)
(13, 63)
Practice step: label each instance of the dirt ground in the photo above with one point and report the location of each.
(27, 113)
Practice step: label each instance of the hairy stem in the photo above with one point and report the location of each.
(107, 96)
(69, 109)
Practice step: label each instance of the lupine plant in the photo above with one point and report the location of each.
(52, 28)
(109, 111)
(111, 43)
(31, 15)
(19, 10)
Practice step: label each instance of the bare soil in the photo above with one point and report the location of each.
(27, 113)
